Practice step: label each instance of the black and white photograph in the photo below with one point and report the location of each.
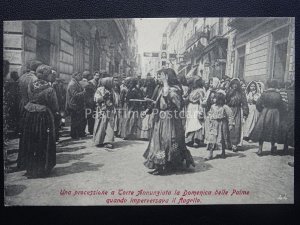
(149, 111)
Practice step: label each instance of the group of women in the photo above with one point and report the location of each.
(219, 115)
(170, 112)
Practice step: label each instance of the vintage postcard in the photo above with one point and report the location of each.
(149, 111)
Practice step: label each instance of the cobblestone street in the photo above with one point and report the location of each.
(83, 167)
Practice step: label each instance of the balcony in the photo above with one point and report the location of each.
(244, 23)
(215, 31)
(195, 37)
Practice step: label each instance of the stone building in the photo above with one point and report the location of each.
(262, 48)
(72, 45)
(247, 48)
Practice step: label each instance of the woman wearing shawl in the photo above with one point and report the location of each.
(123, 105)
(268, 124)
(252, 94)
(104, 122)
(194, 132)
(213, 85)
(237, 101)
(132, 127)
(37, 144)
(167, 149)
(147, 119)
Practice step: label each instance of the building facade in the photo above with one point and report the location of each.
(72, 45)
(262, 48)
(247, 48)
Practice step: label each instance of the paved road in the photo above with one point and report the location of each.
(86, 175)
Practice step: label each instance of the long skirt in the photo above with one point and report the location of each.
(37, 149)
(194, 129)
(132, 125)
(146, 129)
(286, 128)
(167, 145)
(123, 119)
(267, 126)
(104, 128)
(78, 123)
(236, 132)
(250, 121)
(218, 135)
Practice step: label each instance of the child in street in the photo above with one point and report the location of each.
(221, 121)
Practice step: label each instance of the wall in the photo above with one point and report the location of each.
(66, 50)
(13, 42)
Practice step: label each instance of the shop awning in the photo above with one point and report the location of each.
(191, 73)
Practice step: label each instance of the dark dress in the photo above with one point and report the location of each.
(37, 153)
(167, 144)
(11, 94)
(132, 118)
(287, 120)
(237, 102)
(75, 106)
(267, 127)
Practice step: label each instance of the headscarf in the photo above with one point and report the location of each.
(261, 87)
(107, 82)
(256, 85)
(236, 81)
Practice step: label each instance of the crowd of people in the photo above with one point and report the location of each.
(171, 112)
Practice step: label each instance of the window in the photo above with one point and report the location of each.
(43, 43)
(241, 62)
(79, 54)
(280, 45)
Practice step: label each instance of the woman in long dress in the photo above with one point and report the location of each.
(167, 149)
(252, 94)
(37, 142)
(104, 120)
(124, 106)
(194, 129)
(147, 120)
(268, 124)
(133, 120)
(236, 100)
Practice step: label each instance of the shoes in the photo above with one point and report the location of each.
(273, 150)
(234, 148)
(110, 146)
(259, 153)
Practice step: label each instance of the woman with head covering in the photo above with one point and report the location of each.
(147, 119)
(167, 150)
(104, 119)
(132, 126)
(123, 106)
(252, 94)
(37, 149)
(237, 101)
(194, 132)
(267, 127)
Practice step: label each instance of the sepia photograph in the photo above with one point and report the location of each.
(149, 111)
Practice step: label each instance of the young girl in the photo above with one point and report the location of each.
(221, 121)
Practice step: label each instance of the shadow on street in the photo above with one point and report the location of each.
(12, 190)
(65, 158)
(77, 167)
(70, 149)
